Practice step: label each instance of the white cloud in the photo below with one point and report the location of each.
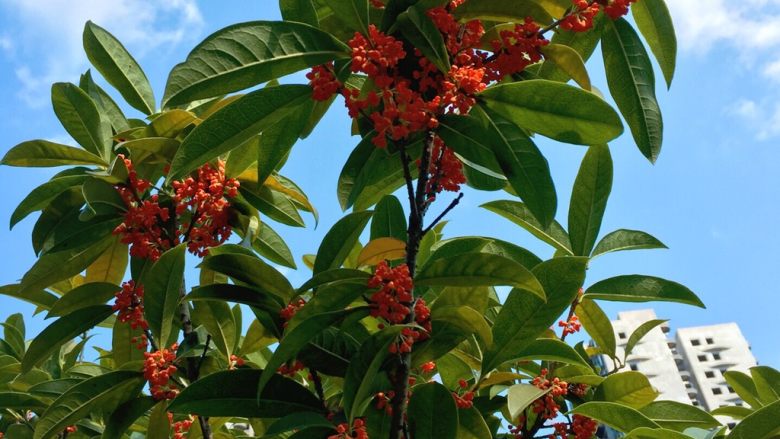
(763, 118)
(49, 34)
(6, 44)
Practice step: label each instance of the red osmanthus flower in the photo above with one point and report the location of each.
(71, 429)
(581, 17)
(427, 367)
(571, 326)
(235, 362)
(291, 369)
(546, 405)
(289, 311)
(180, 428)
(445, 169)
(583, 427)
(158, 370)
(358, 430)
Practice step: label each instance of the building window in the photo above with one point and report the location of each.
(688, 385)
(716, 391)
(695, 342)
(731, 390)
(622, 335)
(738, 403)
(633, 366)
(716, 356)
(685, 378)
(709, 340)
(709, 374)
(702, 358)
(695, 403)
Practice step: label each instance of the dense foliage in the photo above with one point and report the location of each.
(399, 332)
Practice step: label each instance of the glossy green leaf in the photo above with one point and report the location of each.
(760, 425)
(246, 54)
(632, 84)
(420, 30)
(105, 103)
(470, 139)
(767, 382)
(39, 298)
(550, 349)
(20, 401)
(520, 396)
(120, 69)
(220, 323)
(478, 269)
(61, 210)
(339, 240)
(162, 288)
(654, 21)
(159, 426)
(41, 196)
(598, 326)
(520, 214)
(123, 350)
(278, 139)
(237, 294)
(639, 288)
(89, 294)
(362, 370)
(466, 319)
(80, 118)
(298, 422)
(432, 412)
(734, 412)
(678, 416)
(745, 387)
(111, 266)
(42, 153)
(552, 109)
(629, 388)
(275, 205)
(655, 433)
(334, 275)
(389, 219)
(79, 400)
(236, 123)
(61, 331)
(589, 199)
(639, 333)
(59, 265)
(615, 415)
(584, 43)
(525, 316)
(269, 244)
(502, 11)
(353, 14)
(471, 425)
(569, 61)
(252, 271)
(302, 11)
(623, 239)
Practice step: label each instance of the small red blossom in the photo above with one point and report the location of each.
(427, 367)
(394, 297)
(583, 427)
(180, 428)
(129, 303)
(289, 311)
(445, 168)
(464, 401)
(158, 370)
(71, 429)
(235, 362)
(291, 369)
(516, 49)
(581, 17)
(358, 430)
(323, 82)
(571, 326)
(546, 405)
(617, 8)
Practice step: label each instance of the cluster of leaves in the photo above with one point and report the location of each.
(314, 362)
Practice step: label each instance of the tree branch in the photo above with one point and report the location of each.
(193, 363)
(441, 216)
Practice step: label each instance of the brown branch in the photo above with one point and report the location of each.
(193, 363)
(441, 216)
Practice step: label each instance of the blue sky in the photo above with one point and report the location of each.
(712, 197)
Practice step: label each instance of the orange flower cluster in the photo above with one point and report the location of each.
(289, 311)
(465, 400)
(546, 405)
(129, 303)
(158, 370)
(292, 369)
(427, 367)
(584, 11)
(445, 169)
(358, 430)
(180, 428)
(571, 326)
(235, 362)
(202, 203)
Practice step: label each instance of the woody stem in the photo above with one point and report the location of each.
(193, 363)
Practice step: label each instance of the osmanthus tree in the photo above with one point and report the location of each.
(399, 332)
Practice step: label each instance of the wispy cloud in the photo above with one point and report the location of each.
(747, 32)
(48, 33)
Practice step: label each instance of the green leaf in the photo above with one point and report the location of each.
(340, 240)
(235, 124)
(502, 11)
(111, 265)
(275, 205)
(734, 412)
(120, 69)
(640, 288)
(42, 196)
(20, 401)
(61, 331)
(615, 415)
(654, 21)
(162, 287)
(639, 333)
(159, 426)
(253, 272)
(77, 402)
(219, 321)
(623, 239)
(39, 298)
(363, 368)
(301, 11)
(353, 14)
(767, 382)
(550, 349)
(60, 265)
(269, 244)
(760, 425)
(478, 269)
(744, 386)
(655, 433)
(237, 294)
(589, 199)
(297, 422)
(466, 319)
(246, 54)
(569, 61)
(678, 416)
(630, 388)
(520, 214)
(525, 316)
(596, 322)
(123, 350)
(419, 30)
(632, 84)
(584, 43)
(471, 425)
(80, 118)
(334, 275)
(278, 139)
(432, 412)
(234, 393)
(559, 111)
(520, 396)
(42, 153)
(105, 104)
(388, 219)
(89, 294)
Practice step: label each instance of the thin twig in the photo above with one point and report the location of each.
(452, 205)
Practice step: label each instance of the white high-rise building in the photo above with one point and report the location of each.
(690, 367)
